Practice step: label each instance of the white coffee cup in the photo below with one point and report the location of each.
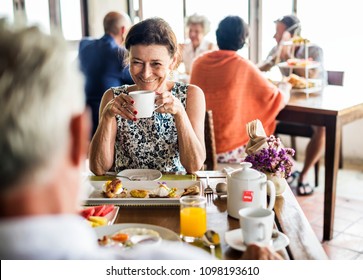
(256, 225)
(144, 102)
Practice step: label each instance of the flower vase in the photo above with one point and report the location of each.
(279, 182)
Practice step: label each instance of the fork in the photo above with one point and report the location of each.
(208, 191)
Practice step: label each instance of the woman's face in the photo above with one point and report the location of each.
(150, 65)
(196, 34)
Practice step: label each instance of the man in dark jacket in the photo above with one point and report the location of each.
(102, 61)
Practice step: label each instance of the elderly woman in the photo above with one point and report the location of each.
(173, 138)
(198, 27)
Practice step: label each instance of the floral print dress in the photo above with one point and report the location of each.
(149, 142)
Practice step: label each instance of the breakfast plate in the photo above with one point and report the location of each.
(140, 174)
(96, 195)
(234, 239)
(164, 233)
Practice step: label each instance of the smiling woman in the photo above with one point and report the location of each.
(172, 139)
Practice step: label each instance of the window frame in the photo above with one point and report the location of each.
(254, 18)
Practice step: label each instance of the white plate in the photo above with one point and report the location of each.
(141, 174)
(311, 65)
(315, 90)
(165, 234)
(234, 239)
(211, 174)
(96, 196)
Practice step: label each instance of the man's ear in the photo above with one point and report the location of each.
(80, 129)
(123, 30)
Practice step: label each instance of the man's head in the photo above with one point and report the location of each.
(42, 118)
(117, 25)
(290, 24)
(232, 33)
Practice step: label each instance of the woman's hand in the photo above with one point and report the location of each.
(120, 105)
(167, 103)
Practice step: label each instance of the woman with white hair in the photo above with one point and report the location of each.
(198, 26)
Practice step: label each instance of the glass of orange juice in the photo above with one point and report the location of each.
(193, 217)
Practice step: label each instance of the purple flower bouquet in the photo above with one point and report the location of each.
(274, 159)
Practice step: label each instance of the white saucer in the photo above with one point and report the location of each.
(234, 239)
(141, 174)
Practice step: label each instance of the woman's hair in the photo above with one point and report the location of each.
(232, 33)
(199, 19)
(153, 31)
(40, 91)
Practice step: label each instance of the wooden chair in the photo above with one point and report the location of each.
(294, 129)
(210, 142)
(335, 78)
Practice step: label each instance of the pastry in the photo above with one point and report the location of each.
(163, 191)
(299, 62)
(114, 189)
(299, 40)
(298, 82)
(192, 190)
(138, 193)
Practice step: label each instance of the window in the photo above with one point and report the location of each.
(163, 8)
(7, 10)
(71, 19)
(336, 32)
(215, 11)
(37, 13)
(271, 11)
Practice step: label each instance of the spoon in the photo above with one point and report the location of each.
(134, 177)
(121, 176)
(211, 239)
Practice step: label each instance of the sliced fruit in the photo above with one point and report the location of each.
(98, 210)
(87, 212)
(101, 221)
(107, 209)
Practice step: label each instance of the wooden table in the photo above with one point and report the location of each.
(290, 220)
(333, 108)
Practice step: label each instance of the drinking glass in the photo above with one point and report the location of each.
(193, 217)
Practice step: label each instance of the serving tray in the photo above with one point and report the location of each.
(96, 196)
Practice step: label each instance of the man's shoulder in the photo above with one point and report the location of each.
(86, 41)
(105, 43)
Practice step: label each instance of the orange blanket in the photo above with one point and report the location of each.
(237, 93)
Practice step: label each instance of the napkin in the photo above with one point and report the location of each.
(257, 136)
